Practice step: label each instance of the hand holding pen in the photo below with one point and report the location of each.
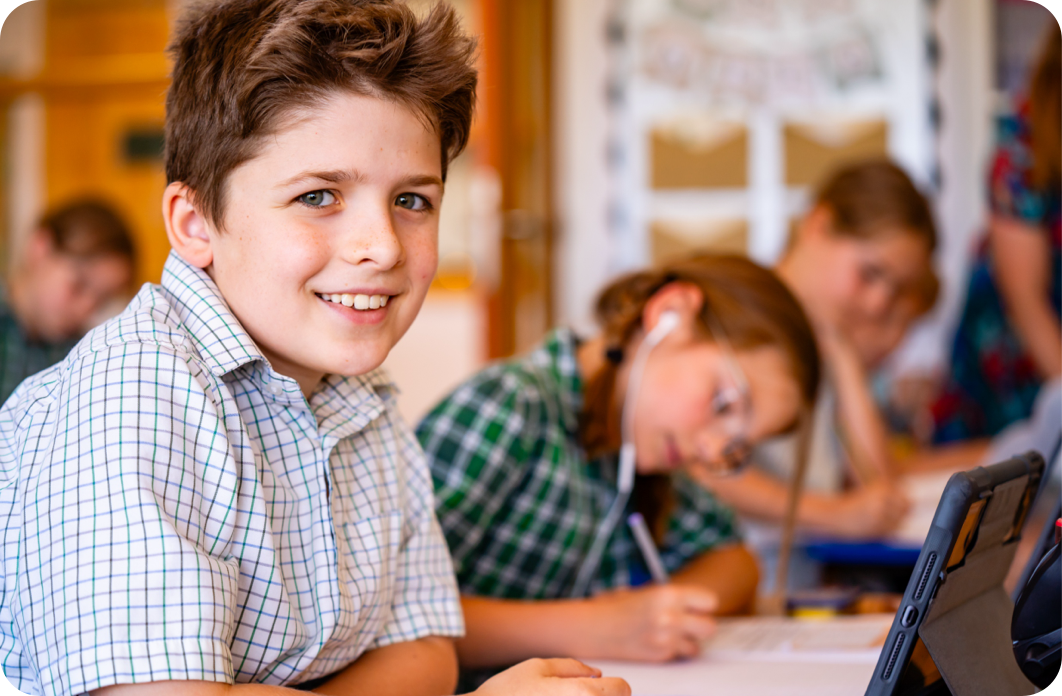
(652, 623)
(657, 622)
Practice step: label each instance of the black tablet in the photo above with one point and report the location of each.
(952, 631)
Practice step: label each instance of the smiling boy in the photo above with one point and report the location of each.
(214, 491)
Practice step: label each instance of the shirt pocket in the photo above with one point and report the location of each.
(369, 556)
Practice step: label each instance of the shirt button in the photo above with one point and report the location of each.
(275, 389)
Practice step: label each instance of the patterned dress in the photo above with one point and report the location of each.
(993, 381)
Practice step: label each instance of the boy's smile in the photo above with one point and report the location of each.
(330, 236)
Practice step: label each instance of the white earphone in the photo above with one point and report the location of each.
(625, 475)
(664, 325)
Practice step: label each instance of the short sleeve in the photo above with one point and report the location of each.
(426, 600)
(116, 509)
(477, 442)
(1011, 191)
(698, 523)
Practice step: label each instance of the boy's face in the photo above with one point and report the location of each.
(342, 205)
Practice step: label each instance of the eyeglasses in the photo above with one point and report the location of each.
(731, 407)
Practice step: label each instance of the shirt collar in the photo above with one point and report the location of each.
(343, 405)
(555, 359)
(211, 325)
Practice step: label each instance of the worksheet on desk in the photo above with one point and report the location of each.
(706, 677)
(768, 656)
(841, 639)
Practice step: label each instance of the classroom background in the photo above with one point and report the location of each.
(609, 134)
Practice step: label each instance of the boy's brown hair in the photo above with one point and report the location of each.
(243, 68)
(87, 229)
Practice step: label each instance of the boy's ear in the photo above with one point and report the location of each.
(187, 230)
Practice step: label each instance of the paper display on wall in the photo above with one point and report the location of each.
(699, 152)
(813, 149)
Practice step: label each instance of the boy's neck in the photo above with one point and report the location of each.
(307, 379)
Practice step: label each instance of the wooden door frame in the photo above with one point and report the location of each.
(515, 114)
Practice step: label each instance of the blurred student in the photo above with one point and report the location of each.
(75, 262)
(525, 454)
(874, 341)
(1009, 339)
(864, 246)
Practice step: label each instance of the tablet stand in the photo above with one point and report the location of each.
(967, 628)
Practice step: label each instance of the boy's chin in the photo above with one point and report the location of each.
(360, 362)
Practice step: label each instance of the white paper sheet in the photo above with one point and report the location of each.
(924, 491)
(843, 639)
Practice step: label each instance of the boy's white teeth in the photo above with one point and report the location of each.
(358, 301)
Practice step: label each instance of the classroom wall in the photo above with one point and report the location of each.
(967, 102)
(606, 209)
(22, 190)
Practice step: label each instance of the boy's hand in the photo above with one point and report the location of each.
(557, 677)
(656, 623)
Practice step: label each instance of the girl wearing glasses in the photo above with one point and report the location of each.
(524, 458)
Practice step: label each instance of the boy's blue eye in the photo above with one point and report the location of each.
(317, 199)
(412, 201)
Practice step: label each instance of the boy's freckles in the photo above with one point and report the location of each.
(290, 250)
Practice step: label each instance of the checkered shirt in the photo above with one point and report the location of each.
(518, 500)
(173, 509)
(21, 357)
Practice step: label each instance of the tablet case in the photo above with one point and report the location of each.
(967, 628)
(959, 609)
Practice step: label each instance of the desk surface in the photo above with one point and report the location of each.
(707, 677)
(769, 656)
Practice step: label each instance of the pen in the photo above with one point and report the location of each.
(648, 548)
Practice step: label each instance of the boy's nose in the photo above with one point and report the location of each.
(374, 241)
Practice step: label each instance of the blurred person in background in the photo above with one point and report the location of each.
(903, 399)
(76, 261)
(874, 341)
(860, 264)
(1009, 339)
(524, 457)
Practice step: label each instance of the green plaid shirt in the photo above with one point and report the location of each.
(518, 500)
(21, 357)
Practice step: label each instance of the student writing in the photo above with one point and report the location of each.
(524, 459)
